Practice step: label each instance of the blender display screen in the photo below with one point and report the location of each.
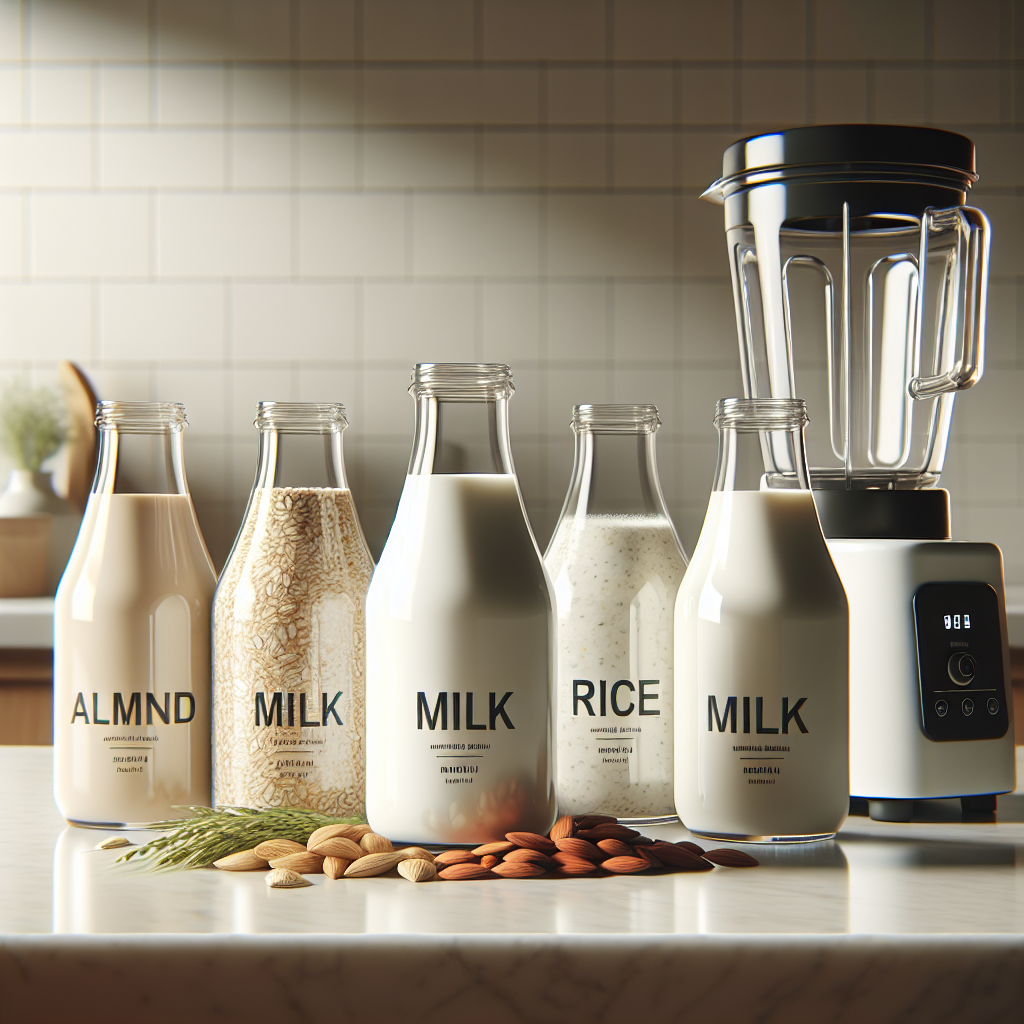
(962, 621)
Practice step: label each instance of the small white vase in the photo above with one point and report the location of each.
(32, 494)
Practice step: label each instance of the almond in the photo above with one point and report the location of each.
(334, 831)
(335, 867)
(372, 864)
(625, 865)
(282, 878)
(464, 872)
(677, 857)
(645, 852)
(450, 857)
(373, 843)
(575, 865)
(244, 860)
(607, 831)
(274, 848)
(731, 858)
(490, 860)
(417, 870)
(692, 847)
(580, 848)
(415, 853)
(305, 863)
(640, 841)
(531, 841)
(529, 856)
(518, 869)
(562, 829)
(590, 820)
(615, 848)
(494, 848)
(338, 846)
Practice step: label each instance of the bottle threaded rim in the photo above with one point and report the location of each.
(465, 382)
(750, 414)
(140, 417)
(616, 419)
(301, 417)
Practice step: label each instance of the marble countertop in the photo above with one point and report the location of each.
(901, 922)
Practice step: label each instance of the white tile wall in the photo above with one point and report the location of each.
(219, 201)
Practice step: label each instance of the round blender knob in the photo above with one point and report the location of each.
(961, 668)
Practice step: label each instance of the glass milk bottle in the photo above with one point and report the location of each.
(616, 564)
(762, 667)
(289, 636)
(459, 631)
(131, 696)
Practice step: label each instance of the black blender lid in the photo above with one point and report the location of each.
(847, 151)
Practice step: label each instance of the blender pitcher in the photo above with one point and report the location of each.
(859, 278)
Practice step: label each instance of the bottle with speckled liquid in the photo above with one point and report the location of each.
(616, 564)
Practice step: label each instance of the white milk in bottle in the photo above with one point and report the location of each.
(459, 631)
(762, 691)
(132, 633)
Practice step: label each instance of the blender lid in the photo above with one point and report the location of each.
(847, 152)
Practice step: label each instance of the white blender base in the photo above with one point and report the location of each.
(891, 757)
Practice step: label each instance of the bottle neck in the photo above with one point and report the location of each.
(615, 474)
(301, 459)
(744, 454)
(140, 463)
(461, 437)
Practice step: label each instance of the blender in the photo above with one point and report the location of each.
(859, 278)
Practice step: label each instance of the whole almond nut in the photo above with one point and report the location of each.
(274, 848)
(305, 863)
(562, 829)
(731, 858)
(575, 865)
(494, 848)
(417, 870)
(372, 864)
(607, 831)
(531, 841)
(567, 858)
(489, 860)
(353, 832)
(464, 872)
(415, 853)
(677, 857)
(530, 856)
(450, 857)
(648, 855)
(590, 820)
(692, 847)
(282, 878)
(640, 841)
(625, 865)
(338, 846)
(580, 848)
(518, 869)
(335, 867)
(244, 860)
(373, 843)
(615, 848)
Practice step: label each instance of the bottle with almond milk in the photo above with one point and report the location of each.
(131, 698)
(761, 652)
(459, 631)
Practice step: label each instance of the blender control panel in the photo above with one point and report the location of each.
(960, 661)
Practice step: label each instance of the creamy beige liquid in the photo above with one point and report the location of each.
(459, 610)
(289, 627)
(132, 648)
(761, 617)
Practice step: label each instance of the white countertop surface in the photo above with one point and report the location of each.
(932, 911)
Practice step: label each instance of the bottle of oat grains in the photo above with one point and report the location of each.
(288, 626)
(616, 564)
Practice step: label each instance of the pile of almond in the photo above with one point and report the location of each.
(590, 844)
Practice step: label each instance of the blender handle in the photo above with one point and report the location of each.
(971, 365)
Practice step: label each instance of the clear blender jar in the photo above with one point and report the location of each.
(859, 278)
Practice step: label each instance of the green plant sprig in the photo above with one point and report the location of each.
(215, 832)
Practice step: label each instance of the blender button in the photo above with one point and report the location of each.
(993, 706)
(941, 707)
(968, 706)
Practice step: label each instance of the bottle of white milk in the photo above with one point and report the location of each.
(131, 701)
(762, 666)
(459, 631)
(616, 564)
(289, 641)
